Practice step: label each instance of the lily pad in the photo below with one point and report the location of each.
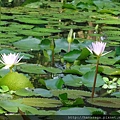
(72, 94)
(28, 44)
(62, 44)
(105, 102)
(88, 79)
(110, 70)
(73, 111)
(72, 55)
(54, 83)
(72, 80)
(41, 102)
(31, 68)
(117, 94)
(34, 92)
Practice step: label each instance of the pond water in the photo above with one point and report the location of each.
(62, 74)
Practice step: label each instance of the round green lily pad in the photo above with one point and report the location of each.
(15, 81)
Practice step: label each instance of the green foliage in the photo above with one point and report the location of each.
(111, 71)
(105, 102)
(62, 44)
(73, 111)
(110, 85)
(34, 92)
(96, 111)
(4, 89)
(15, 81)
(28, 44)
(31, 29)
(41, 102)
(72, 94)
(88, 79)
(69, 103)
(12, 106)
(72, 80)
(54, 83)
(29, 1)
(116, 94)
(31, 68)
(72, 55)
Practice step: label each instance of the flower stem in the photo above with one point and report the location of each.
(11, 68)
(95, 78)
(69, 45)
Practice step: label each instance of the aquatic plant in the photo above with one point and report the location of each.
(97, 48)
(10, 60)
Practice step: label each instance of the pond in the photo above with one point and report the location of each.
(54, 43)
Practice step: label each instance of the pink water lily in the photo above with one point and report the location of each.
(10, 59)
(97, 48)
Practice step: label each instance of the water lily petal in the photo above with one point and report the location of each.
(10, 59)
(97, 48)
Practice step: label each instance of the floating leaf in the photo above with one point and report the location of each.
(9, 106)
(52, 69)
(31, 68)
(37, 69)
(28, 44)
(72, 71)
(105, 102)
(62, 44)
(70, 103)
(42, 92)
(41, 102)
(46, 30)
(6, 96)
(117, 51)
(31, 20)
(72, 55)
(110, 70)
(95, 111)
(34, 92)
(72, 80)
(73, 111)
(24, 92)
(13, 105)
(54, 83)
(45, 44)
(72, 94)
(116, 94)
(84, 54)
(25, 55)
(88, 79)
(3, 72)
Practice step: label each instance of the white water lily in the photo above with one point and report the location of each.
(97, 48)
(10, 60)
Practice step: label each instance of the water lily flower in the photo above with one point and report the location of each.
(70, 38)
(97, 48)
(10, 60)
